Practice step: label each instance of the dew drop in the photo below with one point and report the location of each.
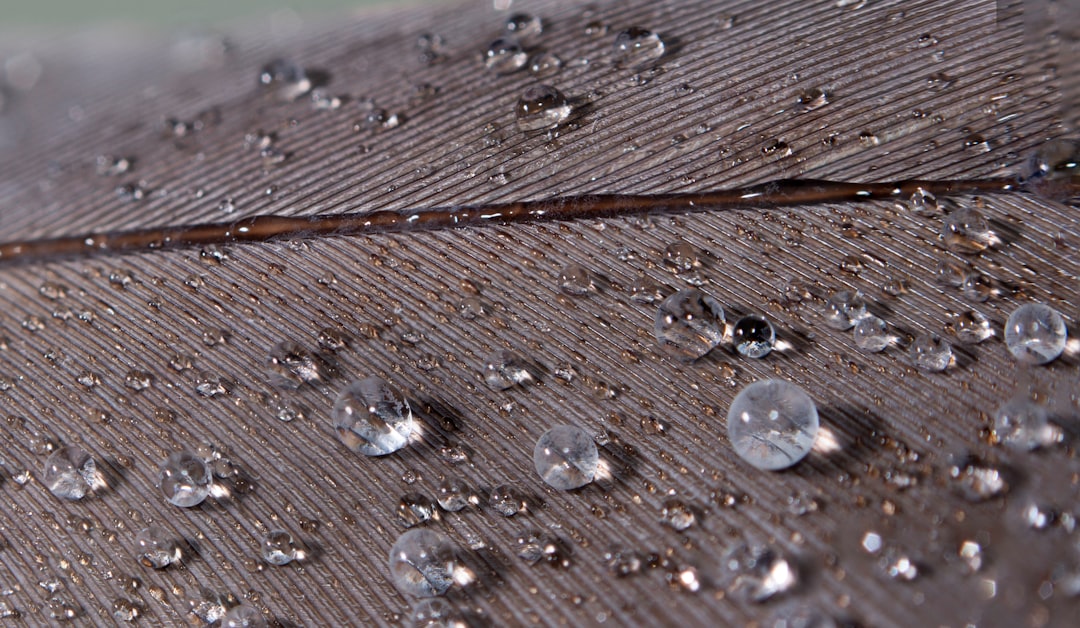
(453, 495)
(753, 336)
(566, 458)
(471, 307)
(677, 514)
(772, 424)
(1023, 424)
(545, 65)
(971, 327)
(279, 548)
(689, 324)
(534, 546)
(524, 26)
(70, 473)
(138, 380)
(505, 500)
(575, 280)
(185, 479)
(967, 231)
(422, 563)
(812, 98)
(243, 616)
(872, 334)
(436, 612)
(290, 366)
(372, 418)
(503, 369)
(156, 548)
(844, 308)
(1035, 334)
(637, 47)
(505, 56)
(541, 107)
(930, 352)
(1053, 169)
(414, 509)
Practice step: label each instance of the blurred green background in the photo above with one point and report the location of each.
(15, 13)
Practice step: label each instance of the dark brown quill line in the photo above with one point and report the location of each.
(264, 228)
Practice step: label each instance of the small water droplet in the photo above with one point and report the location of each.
(505, 500)
(689, 324)
(534, 546)
(290, 366)
(545, 65)
(279, 548)
(637, 47)
(437, 612)
(753, 336)
(872, 334)
(971, 327)
(965, 230)
(868, 139)
(243, 616)
(226, 206)
(976, 482)
(812, 98)
(372, 418)
(504, 368)
(321, 100)
(595, 29)
(471, 307)
(575, 280)
(1053, 170)
(414, 509)
(1035, 334)
(453, 495)
(185, 479)
(70, 473)
(1022, 423)
(930, 352)
(844, 309)
(138, 380)
(541, 107)
(505, 56)
(526, 27)
(156, 548)
(677, 514)
(645, 290)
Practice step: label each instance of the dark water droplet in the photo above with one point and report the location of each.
(545, 64)
(637, 47)
(505, 56)
(524, 26)
(541, 107)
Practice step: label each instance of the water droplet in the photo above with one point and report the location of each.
(868, 139)
(126, 610)
(637, 47)
(541, 107)
(372, 418)
(977, 483)
(772, 424)
(753, 336)
(966, 230)
(566, 458)
(689, 324)
(1022, 423)
(331, 339)
(1052, 170)
(978, 287)
(971, 327)
(768, 574)
(279, 548)
(321, 100)
(677, 514)
(872, 334)
(524, 26)
(595, 28)
(453, 495)
(976, 143)
(504, 368)
(52, 291)
(505, 500)
(288, 80)
(290, 366)
(422, 563)
(930, 352)
(645, 290)
(414, 509)
(1035, 334)
(243, 616)
(844, 308)
(901, 567)
(185, 479)
(156, 548)
(471, 307)
(505, 56)
(682, 257)
(534, 546)
(545, 65)
(575, 280)
(813, 98)
(70, 473)
(437, 612)
(226, 206)
(111, 166)
(138, 380)
(131, 192)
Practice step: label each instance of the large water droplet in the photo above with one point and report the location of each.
(637, 47)
(156, 548)
(372, 418)
(753, 336)
(279, 548)
(930, 352)
(872, 334)
(772, 424)
(566, 458)
(1035, 334)
(966, 230)
(185, 479)
(422, 563)
(541, 107)
(70, 473)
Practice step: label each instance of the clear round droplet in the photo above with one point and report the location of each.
(505, 56)
(574, 279)
(503, 369)
(637, 47)
(753, 336)
(872, 334)
(156, 548)
(971, 327)
(414, 509)
(930, 352)
(566, 458)
(524, 26)
(279, 548)
(505, 500)
(422, 563)
(541, 107)
(1053, 169)
(772, 424)
(291, 366)
(844, 308)
(1035, 334)
(70, 473)
(372, 418)
(545, 65)
(677, 514)
(453, 494)
(689, 324)
(1024, 424)
(185, 479)
(966, 230)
